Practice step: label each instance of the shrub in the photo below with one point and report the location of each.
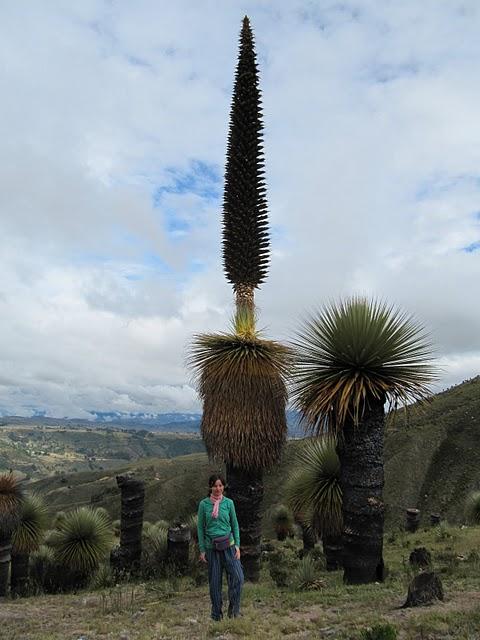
(282, 520)
(282, 563)
(305, 577)
(49, 576)
(472, 508)
(103, 578)
(154, 550)
(82, 540)
(191, 523)
(379, 632)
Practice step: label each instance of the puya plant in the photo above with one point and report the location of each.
(314, 494)
(241, 375)
(352, 359)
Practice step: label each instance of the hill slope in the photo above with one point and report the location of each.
(38, 450)
(432, 461)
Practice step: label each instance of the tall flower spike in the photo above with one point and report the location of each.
(245, 225)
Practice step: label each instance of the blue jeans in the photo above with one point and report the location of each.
(217, 562)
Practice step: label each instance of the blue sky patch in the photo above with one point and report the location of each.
(439, 184)
(384, 73)
(138, 62)
(201, 178)
(471, 248)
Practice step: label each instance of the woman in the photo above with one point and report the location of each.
(219, 542)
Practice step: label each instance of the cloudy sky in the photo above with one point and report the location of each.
(114, 118)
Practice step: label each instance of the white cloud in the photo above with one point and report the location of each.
(372, 152)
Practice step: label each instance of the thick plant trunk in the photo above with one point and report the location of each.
(245, 488)
(333, 551)
(126, 558)
(360, 449)
(19, 578)
(5, 557)
(309, 538)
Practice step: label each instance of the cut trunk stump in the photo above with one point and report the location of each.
(420, 557)
(424, 589)
(126, 558)
(178, 545)
(435, 519)
(412, 520)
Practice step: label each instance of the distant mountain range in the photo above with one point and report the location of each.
(165, 422)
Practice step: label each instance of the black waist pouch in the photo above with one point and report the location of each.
(222, 543)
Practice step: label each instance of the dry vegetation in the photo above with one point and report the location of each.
(178, 609)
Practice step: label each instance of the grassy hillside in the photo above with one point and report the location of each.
(38, 450)
(173, 486)
(433, 455)
(177, 609)
(432, 462)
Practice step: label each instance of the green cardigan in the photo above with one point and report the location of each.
(209, 528)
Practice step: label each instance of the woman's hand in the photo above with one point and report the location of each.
(237, 553)
(203, 557)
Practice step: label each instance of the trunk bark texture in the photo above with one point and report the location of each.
(245, 488)
(126, 558)
(178, 544)
(309, 538)
(412, 520)
(19, 578)
(5, 557)
(333, 551)
(360, 449)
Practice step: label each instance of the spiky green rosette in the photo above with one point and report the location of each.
(82, 540)
(11, 500)
(245, 225)
(241, 380)
(28, 535)
(313, 487)
(355, 352)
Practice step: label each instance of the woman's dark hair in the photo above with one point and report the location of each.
(213, 478)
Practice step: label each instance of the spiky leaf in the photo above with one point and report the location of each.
(306, 575)
(313, 488)
(83, 539)
(356, 351)
(245, 224)
(192, 524)
(29, 533)
(282, 519)
(241, 380)
(11, 500)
